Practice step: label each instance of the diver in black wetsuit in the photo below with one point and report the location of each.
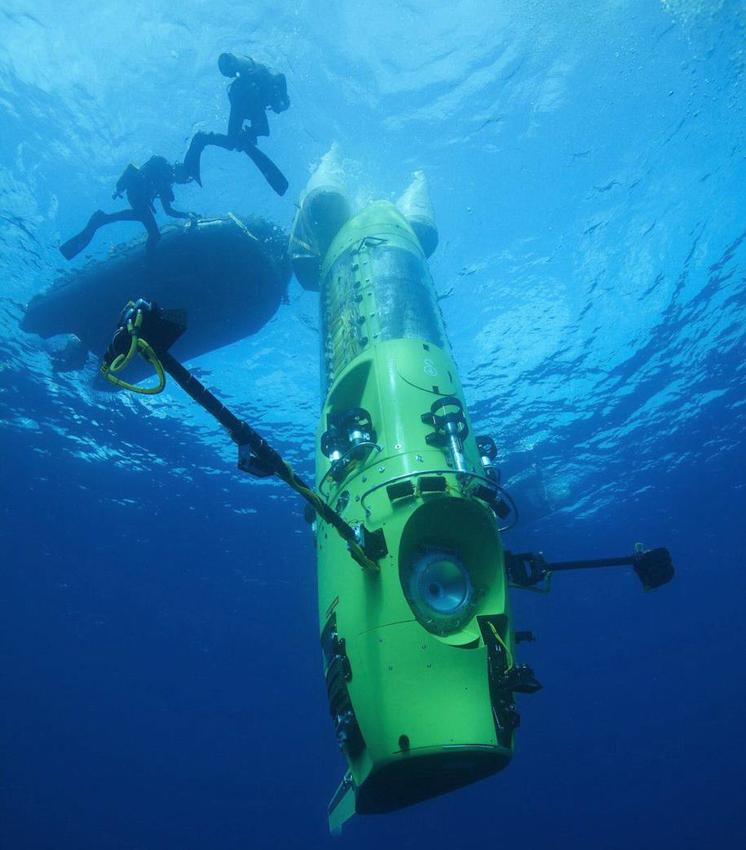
(254, 89)
(154, 179)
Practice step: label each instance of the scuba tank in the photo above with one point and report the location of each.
(130, 178)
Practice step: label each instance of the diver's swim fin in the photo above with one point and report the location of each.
(271, 172)
(77, 243)
(192, 158)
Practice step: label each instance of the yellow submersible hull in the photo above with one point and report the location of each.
(418, 653)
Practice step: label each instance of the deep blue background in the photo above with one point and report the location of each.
(160, 679)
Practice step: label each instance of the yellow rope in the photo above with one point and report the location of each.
(138, 345)
(508, 653)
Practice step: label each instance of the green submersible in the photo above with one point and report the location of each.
(418, 652)
(417, 641)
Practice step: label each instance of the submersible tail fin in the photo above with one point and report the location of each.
(342, 804)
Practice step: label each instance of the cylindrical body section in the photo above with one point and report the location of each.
(415, 653)
(375, 290)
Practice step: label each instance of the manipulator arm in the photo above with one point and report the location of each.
(654, 567)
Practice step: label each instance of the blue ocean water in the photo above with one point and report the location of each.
(160, 675)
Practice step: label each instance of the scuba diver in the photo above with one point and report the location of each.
(154, 179)
(254, 89)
